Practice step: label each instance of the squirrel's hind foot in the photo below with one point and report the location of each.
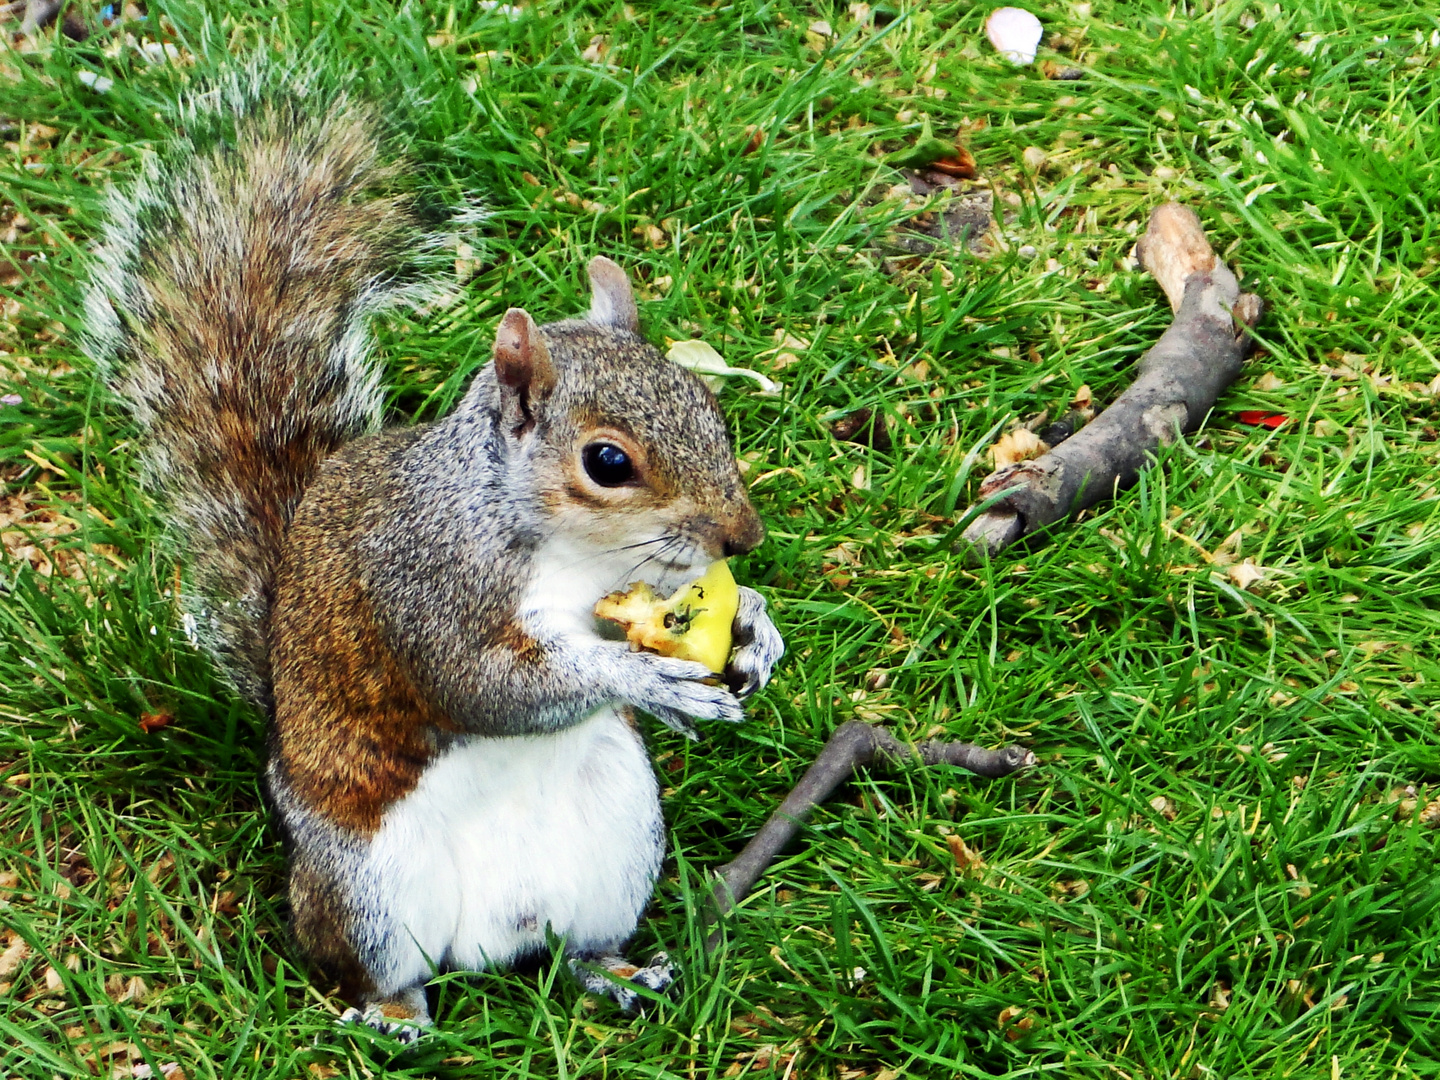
(616, 978)
(404, 1017)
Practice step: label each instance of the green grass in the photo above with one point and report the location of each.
(1211, 874)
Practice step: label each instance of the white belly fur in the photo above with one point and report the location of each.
(504, 836)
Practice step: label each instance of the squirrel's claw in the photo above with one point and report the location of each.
(677, 722)
(759, 646)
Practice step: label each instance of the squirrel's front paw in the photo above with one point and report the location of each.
(673, 690)
(758, 646)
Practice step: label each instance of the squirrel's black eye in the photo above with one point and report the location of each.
(607, 464)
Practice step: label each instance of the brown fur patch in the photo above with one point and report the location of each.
(352, 733)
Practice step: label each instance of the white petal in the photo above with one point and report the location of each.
(99, 83)
(1015, 33)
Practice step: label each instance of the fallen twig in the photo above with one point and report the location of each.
(1178, 383)
(36, 15)
(852, 745)
(39, 14)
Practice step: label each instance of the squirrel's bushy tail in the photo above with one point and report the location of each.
(228, 308)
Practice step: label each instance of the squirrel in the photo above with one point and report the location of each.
(452, 757)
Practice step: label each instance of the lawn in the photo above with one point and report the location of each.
(1223, 865)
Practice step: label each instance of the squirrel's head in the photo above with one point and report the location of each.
(624, 448)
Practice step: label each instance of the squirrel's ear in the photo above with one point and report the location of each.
(522, 367)
(611, 301)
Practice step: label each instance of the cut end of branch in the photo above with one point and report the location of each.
(991, 764)
(1019, 757)
(1247, 312)
(991, 532)
(1174, 248)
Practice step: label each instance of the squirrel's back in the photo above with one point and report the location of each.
(228, 308)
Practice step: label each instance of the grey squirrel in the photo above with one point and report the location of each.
(452, 757)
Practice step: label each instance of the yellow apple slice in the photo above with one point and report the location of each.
(694, 624)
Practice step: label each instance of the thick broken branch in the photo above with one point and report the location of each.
(852, 745)
(1177, 384)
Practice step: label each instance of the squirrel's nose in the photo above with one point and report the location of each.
(743, 534)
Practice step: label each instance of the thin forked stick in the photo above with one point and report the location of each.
(852, 745)
(1178, 383)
